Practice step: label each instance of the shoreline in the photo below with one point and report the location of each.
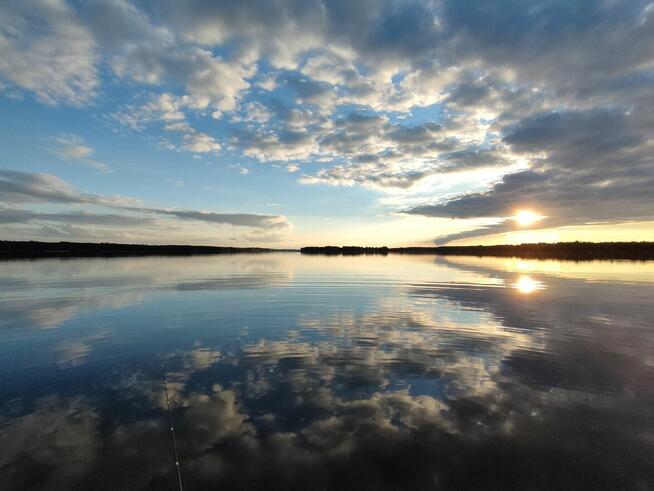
(579, 251)
(575, 251)
(10, 250)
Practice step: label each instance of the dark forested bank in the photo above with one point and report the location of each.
(344, 250)
(561, 250)
(33, 249)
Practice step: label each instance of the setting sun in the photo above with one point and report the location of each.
(526, 217)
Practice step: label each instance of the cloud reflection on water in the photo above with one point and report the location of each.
(445, 382)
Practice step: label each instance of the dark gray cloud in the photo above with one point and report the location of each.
(576, 48)
(353, 133)
(414, 134)
(81, 218)
(587, 166)
(565, 199)
(499, 228)
(468, 94)
(575, 138)
(25, 187)
(237, 219)
(473, 158)
(20, 187)
(379, 30)
(307, 89)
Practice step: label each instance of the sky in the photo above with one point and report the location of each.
(283, 123)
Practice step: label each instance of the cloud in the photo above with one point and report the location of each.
(169, 110)
(211, 80)
(473, 158)
(77, 218)
(499, 201)
(423, 133)
(367, 149)
(73, 148)
(253, 112)
(45, 49)
(23, 187)
(200, 143)
(308, 90)
(377, 175)
(587, 166)
(394, 96)
(576, 138)
(237, 219)
(164, 107)
(149, 54)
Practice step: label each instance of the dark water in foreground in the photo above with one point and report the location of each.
(295, 372)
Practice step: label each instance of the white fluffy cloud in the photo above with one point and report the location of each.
(200, 143)
(45, 49)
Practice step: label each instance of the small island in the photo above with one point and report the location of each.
(344, 250)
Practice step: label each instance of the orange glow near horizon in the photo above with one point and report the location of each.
(604, 232)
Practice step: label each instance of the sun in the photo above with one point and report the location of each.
(526, 217)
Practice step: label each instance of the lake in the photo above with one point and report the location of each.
(286, 371)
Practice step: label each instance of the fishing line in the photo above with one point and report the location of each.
(172, 428)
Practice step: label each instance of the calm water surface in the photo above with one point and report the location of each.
(293, 372)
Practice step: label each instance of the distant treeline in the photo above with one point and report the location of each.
(344, 250)
(33, 249)
(560, 250)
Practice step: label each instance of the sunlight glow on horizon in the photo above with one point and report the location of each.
(612, 232)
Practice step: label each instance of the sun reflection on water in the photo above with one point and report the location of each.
(527, 285)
